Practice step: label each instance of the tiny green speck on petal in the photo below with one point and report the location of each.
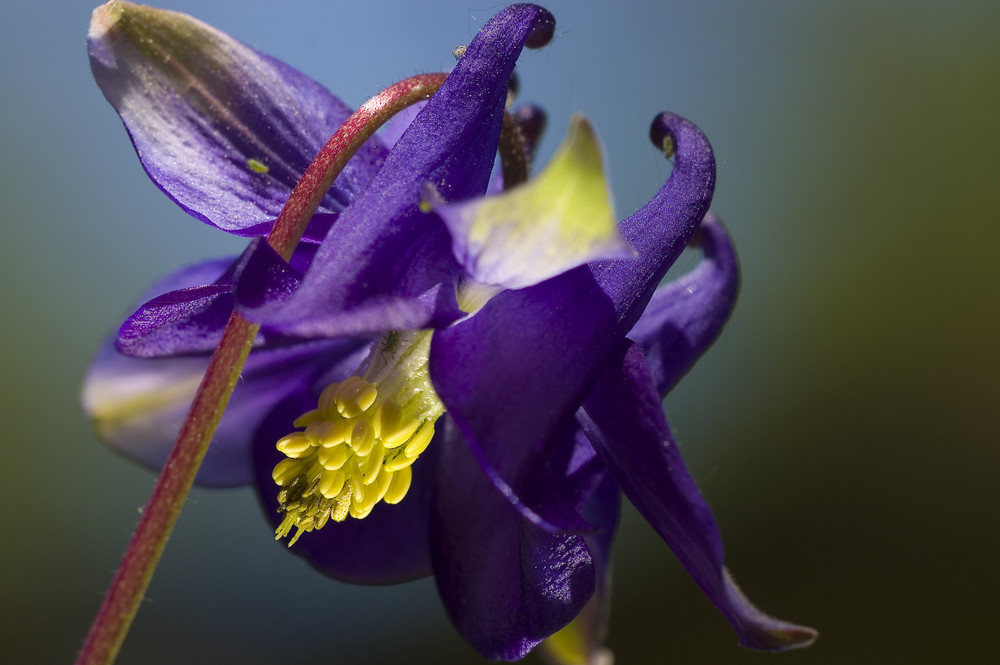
(553, 223)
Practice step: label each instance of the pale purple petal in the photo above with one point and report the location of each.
(138, 404)
(190, 320)
(222, 129)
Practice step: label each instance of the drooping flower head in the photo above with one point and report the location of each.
(458, 373)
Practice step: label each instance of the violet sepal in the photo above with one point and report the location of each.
(624, 417)
(565, 329)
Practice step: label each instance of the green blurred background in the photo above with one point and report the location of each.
(841, 427)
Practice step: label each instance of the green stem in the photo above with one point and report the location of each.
(111, 625)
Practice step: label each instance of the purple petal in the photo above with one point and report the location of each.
(506, 583)
(581, 642)
(385, 260)
(685, 316)
(138, 405)
(661, 229)
(396, 126)
(264, 279)
(388, 546)
(513, 374)
(625, 419)
(190, 320)
(415, 291)
(160, 326)
(186, 321)
(222, 129)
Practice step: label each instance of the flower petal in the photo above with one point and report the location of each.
(179, 311)
(557, 221)
(190, 320)
(506, 583)
(502, 377)
(417, 292)
(223, 130)
(385, 260)
(514, 373)
(661, 229)
(186, 321)
(624, 417)
(685, 316)
(581, 641)
(388, 546)
(138, 405)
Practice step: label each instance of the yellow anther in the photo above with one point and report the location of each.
(332, 458)
(382, 485)
(285, 526)
(326, 405)
(402, 433)
(362, 504)
(332, 484)
(361, 437)
(400, 461)
(302, 529)
(374, 463)
(366, 397)
(420, 440)
(357, 480)
(286, 471)
(326, 432)
(356, 447)
(307, 418)
(295, 445)
(399, 485)
(353, 396)
(386, 416)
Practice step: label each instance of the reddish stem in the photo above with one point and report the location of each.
(338, 150)
(110, 626)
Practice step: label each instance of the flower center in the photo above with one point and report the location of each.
(358, 444)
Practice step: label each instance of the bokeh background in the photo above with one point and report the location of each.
(843, 428)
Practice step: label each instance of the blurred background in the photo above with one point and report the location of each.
(842, 428)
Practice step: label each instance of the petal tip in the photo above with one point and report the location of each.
(104, 18)
(757, 630)
(782, 639)
(542, 29)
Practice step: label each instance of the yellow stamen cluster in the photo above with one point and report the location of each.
(356, 450)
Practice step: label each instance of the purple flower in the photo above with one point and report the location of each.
(455, 375)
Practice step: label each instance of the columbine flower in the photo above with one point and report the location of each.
(446, 381)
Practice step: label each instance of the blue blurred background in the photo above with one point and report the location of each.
(843, 428)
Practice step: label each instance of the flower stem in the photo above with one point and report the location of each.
(338, 150)
(110, 626)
